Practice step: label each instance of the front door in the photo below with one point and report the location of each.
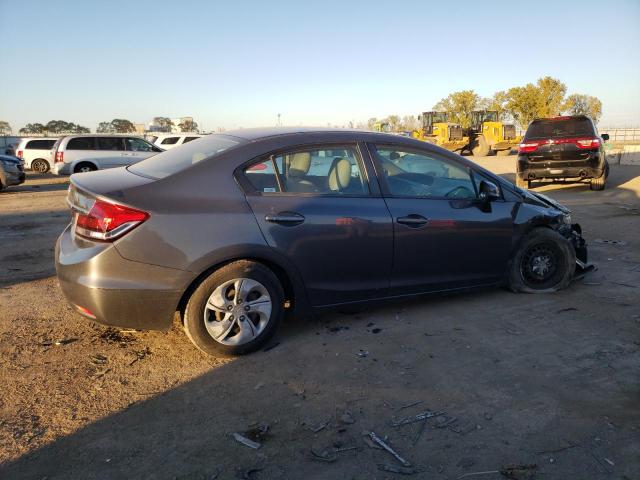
(316, 207)
(138, 150)
(444, 237)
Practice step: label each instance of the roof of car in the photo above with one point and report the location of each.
(251, 134)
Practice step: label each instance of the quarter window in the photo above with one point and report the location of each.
(335, 171)
(170, 141)
(39, 144)
(422, 175)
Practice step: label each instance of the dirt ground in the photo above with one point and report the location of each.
(551, 381)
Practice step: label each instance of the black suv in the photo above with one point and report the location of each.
(562, 148)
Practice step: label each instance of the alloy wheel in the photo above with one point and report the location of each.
(237, 311)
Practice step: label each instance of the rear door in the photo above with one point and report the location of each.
(444, 237)
(316, 206)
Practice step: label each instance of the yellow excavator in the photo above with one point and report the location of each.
(437, 129)
(487, 134)
(384, 127)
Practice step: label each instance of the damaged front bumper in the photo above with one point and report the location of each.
(583, 266)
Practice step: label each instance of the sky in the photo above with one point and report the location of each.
(238, 64)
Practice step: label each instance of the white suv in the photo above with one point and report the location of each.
(86, 153)
(168, 141)
(36, 153)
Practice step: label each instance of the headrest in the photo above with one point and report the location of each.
(339, 175)
(299, 164)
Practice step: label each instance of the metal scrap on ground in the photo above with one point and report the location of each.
(385, 446)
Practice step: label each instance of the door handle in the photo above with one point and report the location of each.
(285, 218)
(414, 220)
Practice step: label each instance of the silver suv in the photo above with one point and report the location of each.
(86, 153)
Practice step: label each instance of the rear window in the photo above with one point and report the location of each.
(82, 143)
(39, 144)
(178, 159)
(559, 128)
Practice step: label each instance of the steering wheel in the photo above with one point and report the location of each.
(460, 192)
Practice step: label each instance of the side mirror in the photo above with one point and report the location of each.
(605, 136)
(488, 191)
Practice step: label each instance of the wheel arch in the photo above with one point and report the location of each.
(84, 160)
(291, 281)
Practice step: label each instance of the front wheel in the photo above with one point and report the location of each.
(235, 310)
(545, 262)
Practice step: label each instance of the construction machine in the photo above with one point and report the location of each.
(437, 129)
(487, 134)
(384, 127)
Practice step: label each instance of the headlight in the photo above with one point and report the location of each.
(566, 219)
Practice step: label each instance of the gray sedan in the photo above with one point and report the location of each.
(233, 229)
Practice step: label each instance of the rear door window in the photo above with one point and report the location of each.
(110, 143)
(335, 171)
(82, 143)
(560, 128)
(39, 144)
(170, 141)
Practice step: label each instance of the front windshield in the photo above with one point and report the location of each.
(178, 159)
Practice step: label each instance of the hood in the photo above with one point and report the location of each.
(540, 199)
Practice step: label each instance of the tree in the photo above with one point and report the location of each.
(497, 103)
(60, 126)
(524, 103)
(5, 127)
(552, 92)
(33, 128)
(459, 105)
(371, 123)
(188, 126)
(120, 125)
(579, 104)
(409, 123)
(164, 123)
(105, 127)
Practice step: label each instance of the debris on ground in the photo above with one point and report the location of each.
(445, 421)
(246, 441)
(347, 418)
(519, 472)
(610, 242)
(362, 353)
(416, 418)
(114, 335)
(421, 430)
(385, 446)
(413, 404)
(568, 309)
(98, 359)
(140, 354)
(376, 330)
(323, 455)
(65, 341)
(401, 470)
(318, 428)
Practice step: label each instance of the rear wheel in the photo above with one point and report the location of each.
(545, 262)
(481, 147)
(40, 165)
(235, 310)
(503, 153)
(84, 167)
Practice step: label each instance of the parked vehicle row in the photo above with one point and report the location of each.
(233, 229)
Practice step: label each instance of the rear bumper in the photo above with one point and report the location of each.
(109, 289)
(553, 170)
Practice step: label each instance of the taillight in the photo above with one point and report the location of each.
(59, 157)
(19, 153)
(529, 147)
(588, 142)
(107, 221)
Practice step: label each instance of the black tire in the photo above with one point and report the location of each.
(598, 183)
(522, 183)
(84, 167)
(195, 315)
(481, 147)
(542, 247)
(40, 165)
(503, 153)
